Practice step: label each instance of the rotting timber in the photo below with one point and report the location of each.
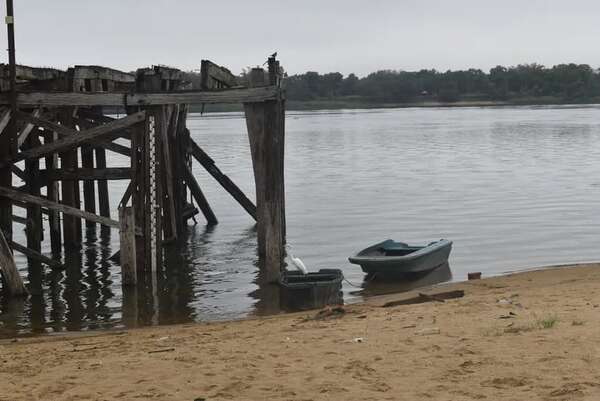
(67, 119)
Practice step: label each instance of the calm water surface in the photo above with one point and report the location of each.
(513, 187)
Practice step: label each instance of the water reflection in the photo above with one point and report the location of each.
(378, 286)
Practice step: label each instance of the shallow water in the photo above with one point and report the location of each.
(513, 187)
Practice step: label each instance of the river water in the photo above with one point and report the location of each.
(513, 187)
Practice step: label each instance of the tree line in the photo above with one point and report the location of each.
(563, 82)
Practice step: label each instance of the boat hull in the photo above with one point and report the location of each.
(375, 259)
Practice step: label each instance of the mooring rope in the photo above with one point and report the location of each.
(365, 282)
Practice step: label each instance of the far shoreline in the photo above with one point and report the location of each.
(340, 104)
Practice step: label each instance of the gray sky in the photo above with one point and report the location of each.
(326, 35)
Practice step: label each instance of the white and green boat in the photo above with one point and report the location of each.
(397, 258)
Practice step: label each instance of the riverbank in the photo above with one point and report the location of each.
(531, 335)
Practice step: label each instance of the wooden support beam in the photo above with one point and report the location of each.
(19, 219)
(124, 99)
(4, 119)
(265, 124)
(189, 211)
(18, 172)
(70, 189)
(34, 214)
(83, 137)
(68, 210)
(181, 156)
(27, 129)
(168, 198)
(53, 193)
(12, 283)
(213, 170)
(65, 131)
(87, 174)
(192, 184)
(127, 254)
(127, 194)
(103, 199)
(138, 187)
(89, 189)
(8, 132)
(35, 255)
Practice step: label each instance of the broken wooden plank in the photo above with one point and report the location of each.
(422, 298)
(213, 170)
(124, 99)
(22, 197)
(214, 76)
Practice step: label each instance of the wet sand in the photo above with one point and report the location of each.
(527, 336)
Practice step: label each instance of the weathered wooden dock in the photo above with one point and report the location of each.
(57, 127)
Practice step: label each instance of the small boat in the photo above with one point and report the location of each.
(397, 258)
(301, 291)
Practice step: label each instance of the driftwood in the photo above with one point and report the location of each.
(422, 298)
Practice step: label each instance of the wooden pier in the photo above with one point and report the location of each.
(57, 128)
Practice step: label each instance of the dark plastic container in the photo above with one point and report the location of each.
(310, 291)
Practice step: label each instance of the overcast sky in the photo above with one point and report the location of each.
(318, 35)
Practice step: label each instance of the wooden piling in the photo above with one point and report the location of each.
(103, 197)
(89, 190)
(181, 157)
(53, 195)
(70, 190)
(34, 214)
(138, 192)
(265, 124)
(127, 252)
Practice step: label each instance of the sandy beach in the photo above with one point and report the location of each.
(527, 336)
